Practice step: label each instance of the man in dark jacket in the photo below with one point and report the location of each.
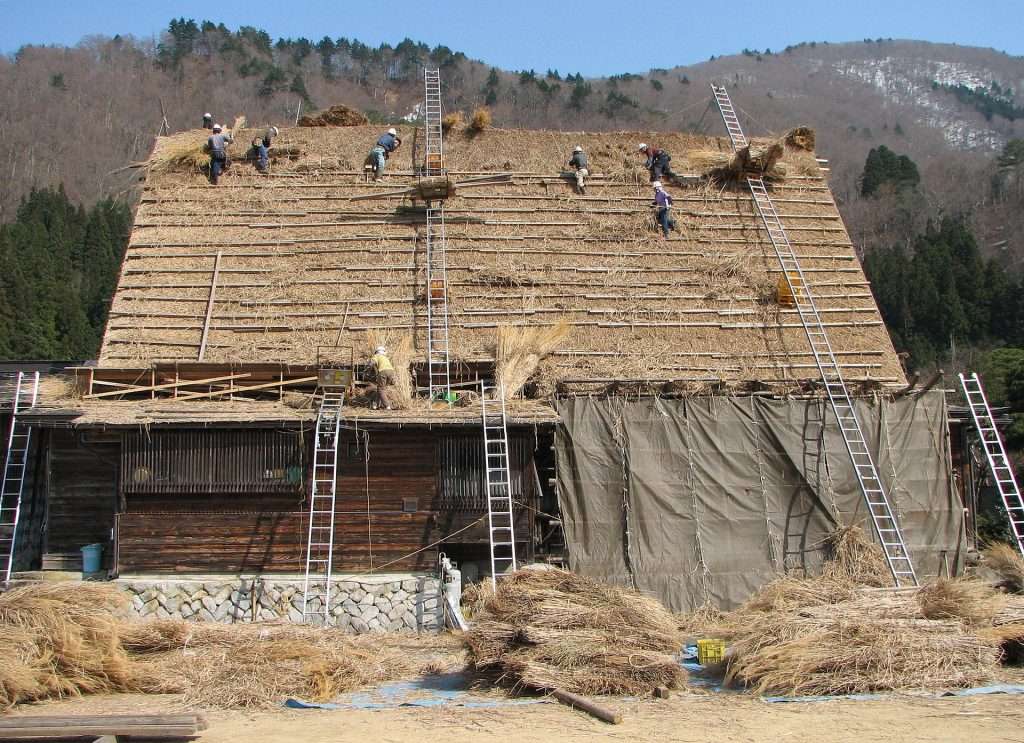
(579, 162)
(657, 162)
(663, 203)
(218, 145)
(388, 143)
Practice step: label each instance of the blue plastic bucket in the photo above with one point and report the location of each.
(92, 558)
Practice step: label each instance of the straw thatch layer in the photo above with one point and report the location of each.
(546, 629)
(338, 115)
(520, 349)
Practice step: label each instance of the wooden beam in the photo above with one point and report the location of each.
(167, 386)
(243, 390)
(209, 306)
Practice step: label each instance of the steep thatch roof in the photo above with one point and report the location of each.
(302, 267)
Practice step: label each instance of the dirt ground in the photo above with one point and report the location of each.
(701, 718)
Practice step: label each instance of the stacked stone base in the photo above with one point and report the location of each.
(395, 603)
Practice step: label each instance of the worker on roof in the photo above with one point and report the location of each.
(384, 377)
(207, 120)
(268, 136)
(389, 142)
(218, 145)
(261, 153)
(657, 162)
(579, 162)
(663, 204)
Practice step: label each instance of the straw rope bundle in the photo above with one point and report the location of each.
(519, 350)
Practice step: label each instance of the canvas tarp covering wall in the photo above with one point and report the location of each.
(705, 499)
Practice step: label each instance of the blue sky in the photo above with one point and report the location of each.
(596, 38)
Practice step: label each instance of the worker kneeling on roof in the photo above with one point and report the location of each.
(389, 142)
(579, 162)
(657, 162)
(384, 377)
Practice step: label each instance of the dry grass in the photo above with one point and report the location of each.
(335, 116)
(453, 122)
(1007, 562)
(851, 554)
(481, 120)
(185, 151)
(801, 137)
(972, 601)
(519, 350)
(544, 629)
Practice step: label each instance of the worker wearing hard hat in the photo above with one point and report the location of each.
(384, 376)
(579, 162)
(388, 143)
(657, 162)
(207, 120)
(218, 143)
(663, 204)
(261, 149)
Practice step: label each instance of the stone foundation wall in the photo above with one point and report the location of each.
(392, 603)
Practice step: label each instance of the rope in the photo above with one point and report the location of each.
(366, 469)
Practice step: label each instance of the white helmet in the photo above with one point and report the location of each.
(393, 132)
(207, 115)
(274, 131)
(217, 127)
(657, 185)
(642, 147)
(577, 148)
(382, 350)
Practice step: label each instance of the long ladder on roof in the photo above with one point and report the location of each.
(19, 442)
(500, 517)
(316, 588)
(438, 367)
(883, 517)
(998, 462)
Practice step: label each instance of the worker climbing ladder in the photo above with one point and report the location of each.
(499, 485)
(998, 462)
(316, 590)
(437, 270)
(433, 162)
(882, 516)
(19, 442)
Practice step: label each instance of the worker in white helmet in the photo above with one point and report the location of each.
(217, 143)
(388, 143)
(579, 162)
(663, 204)
(207, 120)
(383, 376)
(657, 162)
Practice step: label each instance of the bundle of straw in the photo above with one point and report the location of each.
(850, 553)
(399, 346)
(546, 629)
(972, 601)
(519, 349)
(1007, 563)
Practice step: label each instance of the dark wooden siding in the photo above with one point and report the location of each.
(81, 492)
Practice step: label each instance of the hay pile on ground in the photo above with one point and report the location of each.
(335, 116)
(519, 349)
(1006, 562)
(546, 629)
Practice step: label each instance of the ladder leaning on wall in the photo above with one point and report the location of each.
(19, 442)
(316, 588)
(995, 453)
(498, 482)
(883, 517)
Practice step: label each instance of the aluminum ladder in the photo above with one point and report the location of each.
(886, 526)
(433, 161)
(500, 518)
(19, 441)
(438, 366)
(320, 537)
(998, 462)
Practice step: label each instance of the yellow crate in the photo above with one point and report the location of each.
(710, 651)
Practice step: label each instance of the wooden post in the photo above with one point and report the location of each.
(582, 703)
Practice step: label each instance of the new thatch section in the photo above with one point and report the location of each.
(551, 629)
(301, 266)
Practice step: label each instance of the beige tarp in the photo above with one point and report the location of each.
(706, 499)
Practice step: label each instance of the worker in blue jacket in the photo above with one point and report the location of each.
(388, 143)
(663, 204)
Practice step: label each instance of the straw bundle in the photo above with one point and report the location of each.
(801, 137)
(970, 600)
(546, 629)
(519, 349)
(757, 157)
(1005, 561)
(850, 553)
(185, 151)
(338, 115)
(400, 352)
(453, 121)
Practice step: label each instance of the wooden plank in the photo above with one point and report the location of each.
(243, 390)
(209, 306)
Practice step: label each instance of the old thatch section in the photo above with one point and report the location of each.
(338, 115)
(548, 629)
(302, 266)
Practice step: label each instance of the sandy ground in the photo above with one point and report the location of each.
(701, 718)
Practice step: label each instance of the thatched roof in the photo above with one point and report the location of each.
(302, 267)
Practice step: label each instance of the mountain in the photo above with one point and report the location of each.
(76, 115)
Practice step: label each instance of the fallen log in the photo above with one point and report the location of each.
(582, 703)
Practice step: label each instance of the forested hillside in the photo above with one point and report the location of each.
(924, 142)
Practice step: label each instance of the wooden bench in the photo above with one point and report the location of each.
(107, 728)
